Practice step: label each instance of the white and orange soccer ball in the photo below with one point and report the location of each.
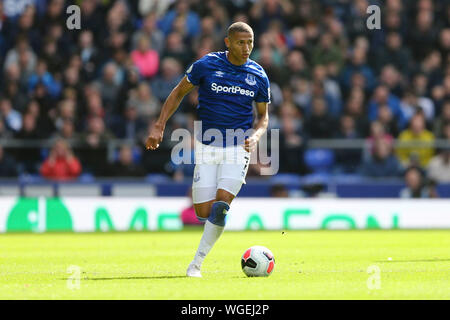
(257, 261)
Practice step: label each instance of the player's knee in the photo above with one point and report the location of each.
(202, 215)
(202, 212)
(218, 213)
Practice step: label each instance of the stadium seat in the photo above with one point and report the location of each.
(86, 177)
(157, 178)
(285, 178)
(138, 23)
(137, 155)
(30, 178)
(319, 160)
(44, 153)
(316, 178)
(348, 178)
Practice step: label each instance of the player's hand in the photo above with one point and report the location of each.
(250, 144)
(155, 137)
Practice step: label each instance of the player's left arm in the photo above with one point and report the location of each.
(262, 109)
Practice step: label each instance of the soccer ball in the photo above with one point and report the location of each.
(257, 261)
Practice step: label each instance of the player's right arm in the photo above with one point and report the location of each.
(169, 107)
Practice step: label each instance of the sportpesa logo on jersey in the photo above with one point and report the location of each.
(231, 89)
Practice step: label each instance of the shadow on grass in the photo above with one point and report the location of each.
(424, 260)
(130, 278)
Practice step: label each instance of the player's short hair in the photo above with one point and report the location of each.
(239, 27)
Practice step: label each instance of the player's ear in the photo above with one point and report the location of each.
(227, 42)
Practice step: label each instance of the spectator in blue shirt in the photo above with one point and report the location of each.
(358, 65)
(192, 21)
(382, 96)
(43, 76)
(171, 74)
(12, 117)
(382, 163)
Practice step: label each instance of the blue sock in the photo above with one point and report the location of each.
(218, 213)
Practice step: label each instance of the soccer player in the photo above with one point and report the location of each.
(229, 82)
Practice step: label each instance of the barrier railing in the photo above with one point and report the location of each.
(335, 144)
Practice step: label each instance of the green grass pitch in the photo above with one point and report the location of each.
(151, 265)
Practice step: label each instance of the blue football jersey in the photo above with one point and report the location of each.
(226, 93)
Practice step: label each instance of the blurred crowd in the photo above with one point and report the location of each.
(331, 78)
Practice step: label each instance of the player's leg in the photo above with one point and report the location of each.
(213, 229)
(230, 180)
(204, 187)
(231, 175)
(203, 210)
(204, 184)
(203, 195)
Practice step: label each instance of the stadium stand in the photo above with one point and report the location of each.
(359, 107)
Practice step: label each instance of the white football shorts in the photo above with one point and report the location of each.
(218, 168)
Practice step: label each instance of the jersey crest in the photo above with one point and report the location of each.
(251, 80)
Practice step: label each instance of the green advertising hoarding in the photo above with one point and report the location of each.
(91, 214)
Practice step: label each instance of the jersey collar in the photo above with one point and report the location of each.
(228, 61)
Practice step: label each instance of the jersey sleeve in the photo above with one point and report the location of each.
(263, 91)
(195, 72)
